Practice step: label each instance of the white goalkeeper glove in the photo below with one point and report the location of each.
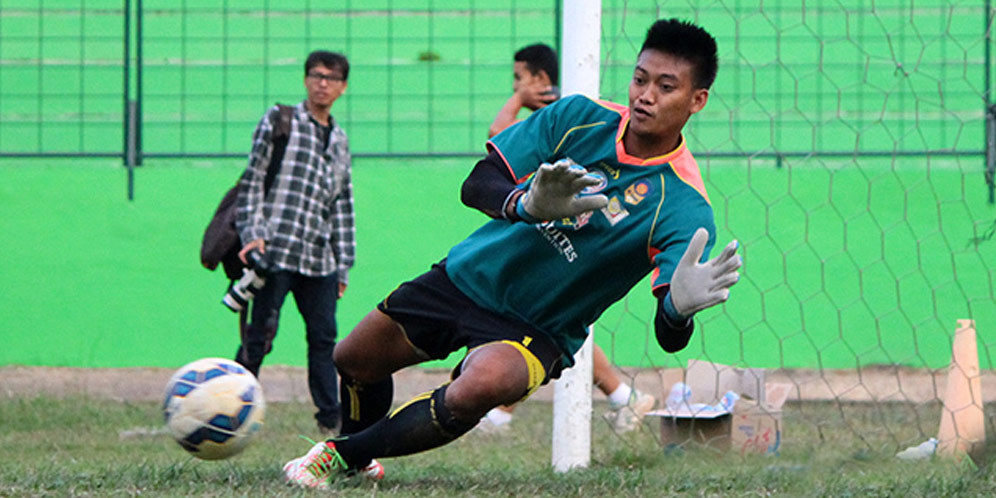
(554, 193)
(696, 286)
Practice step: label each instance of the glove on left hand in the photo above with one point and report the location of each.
(696, 286)
(554, 192)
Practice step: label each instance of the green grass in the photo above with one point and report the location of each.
(71, 447)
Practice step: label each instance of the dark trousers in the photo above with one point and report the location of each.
(316, 300)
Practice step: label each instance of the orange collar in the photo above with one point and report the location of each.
(624, 157)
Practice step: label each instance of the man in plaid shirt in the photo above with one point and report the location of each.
(304, 227)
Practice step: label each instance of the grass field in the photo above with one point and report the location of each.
(74, 447)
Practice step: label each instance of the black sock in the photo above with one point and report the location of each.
(422, 424)
(363, 404)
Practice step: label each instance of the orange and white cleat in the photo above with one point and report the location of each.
(373, 471)
(323, 462)
(314, 469)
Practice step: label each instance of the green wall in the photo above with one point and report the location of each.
(846, 263)
(857, 252)
(95, 280)
(428, 77)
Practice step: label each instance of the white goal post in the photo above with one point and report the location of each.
(579, 73)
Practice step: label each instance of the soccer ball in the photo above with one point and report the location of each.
(213, 407)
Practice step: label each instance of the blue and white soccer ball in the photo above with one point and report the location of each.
(212, 407)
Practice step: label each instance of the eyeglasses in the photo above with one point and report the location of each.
(329, 78)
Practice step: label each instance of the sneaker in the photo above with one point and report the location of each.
(329, 424)
(627, 417)
(496, 421)
(486, 426)
(314, 469)
(328, 431)
(374, 471)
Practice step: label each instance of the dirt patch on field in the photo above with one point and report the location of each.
(284, 383)
(280, 383)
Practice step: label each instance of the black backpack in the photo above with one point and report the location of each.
(221, 244)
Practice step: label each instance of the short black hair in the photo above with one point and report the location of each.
(540, 56)
(687, 41)
(331, 60)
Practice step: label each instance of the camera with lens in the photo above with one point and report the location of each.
(243, 290)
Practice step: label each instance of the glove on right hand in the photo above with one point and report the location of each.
(695, 286)
(554, 192)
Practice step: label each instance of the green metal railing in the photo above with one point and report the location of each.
(159, 78)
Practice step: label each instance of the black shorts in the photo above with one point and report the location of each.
(439, 319)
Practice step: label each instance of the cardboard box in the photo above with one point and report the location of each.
(753, 426)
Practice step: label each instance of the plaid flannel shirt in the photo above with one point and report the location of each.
(306, 217)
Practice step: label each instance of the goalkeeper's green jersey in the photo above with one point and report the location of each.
(560, 275)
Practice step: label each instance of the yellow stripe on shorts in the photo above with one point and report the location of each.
(536, 371)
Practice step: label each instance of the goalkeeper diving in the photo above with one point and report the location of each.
(587, 197)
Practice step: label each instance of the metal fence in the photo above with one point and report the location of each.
(846, 145)
(190, 79)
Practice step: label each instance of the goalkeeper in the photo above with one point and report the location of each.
(534, 87)
(588, 197)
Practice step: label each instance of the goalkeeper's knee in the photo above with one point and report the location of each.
(447, 421)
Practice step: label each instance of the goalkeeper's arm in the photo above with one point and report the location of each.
(491, 189)
(671, 329)
(694, 287)
(554, 192)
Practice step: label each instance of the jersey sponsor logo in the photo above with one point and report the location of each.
(578, 221)
(582, 220)
(602, 182)
(613, 172)
(638, 191)
(614, 211)
(559, 240)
